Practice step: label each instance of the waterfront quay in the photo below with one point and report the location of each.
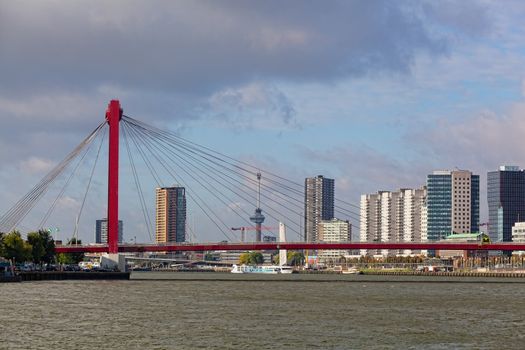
(71, 275)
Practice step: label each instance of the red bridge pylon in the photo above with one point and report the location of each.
(113, 117)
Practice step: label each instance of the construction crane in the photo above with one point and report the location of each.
(252, 228)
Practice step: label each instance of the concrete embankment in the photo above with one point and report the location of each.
(5, 279)
(72, 275)
(319, 272)
(445, 274)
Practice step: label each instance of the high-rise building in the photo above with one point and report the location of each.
(414, 216)
(170, 223)
(506, 200)
(452, 203)
(101, 231)
(318, 204)
(334, 230)
(393, 217)
(424, 224)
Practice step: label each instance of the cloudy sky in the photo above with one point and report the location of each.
(375, 94)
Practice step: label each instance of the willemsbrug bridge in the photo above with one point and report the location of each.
(198, 163)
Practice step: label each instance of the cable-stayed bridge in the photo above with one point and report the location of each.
(211, 177)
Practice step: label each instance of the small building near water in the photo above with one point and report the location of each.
(518, 235)
(478, 238)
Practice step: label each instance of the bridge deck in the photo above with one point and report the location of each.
(131, 248)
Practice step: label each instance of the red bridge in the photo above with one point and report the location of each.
(141, 132)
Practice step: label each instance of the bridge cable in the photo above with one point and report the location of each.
(248, 178)
(147, 219)
(177, 154)
(183, 183)
(185, 169)
(17, 213)
(200, 204)
(194, 147)
(75, 233)
(63, 189)
(171, 136)
(199, 176)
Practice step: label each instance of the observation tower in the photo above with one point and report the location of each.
(258, 218)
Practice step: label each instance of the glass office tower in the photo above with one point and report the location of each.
(506, 201)
(452, 203)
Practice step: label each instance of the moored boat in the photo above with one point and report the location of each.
(351, 270)
(272, 269)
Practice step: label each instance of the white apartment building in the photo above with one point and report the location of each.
(398, 216)
(518, 235)
(334, 230)
(424, 225)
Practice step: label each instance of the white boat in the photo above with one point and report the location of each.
(261, 269)
(351, 270)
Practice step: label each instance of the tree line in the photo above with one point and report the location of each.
(38, 248)
(293, 258)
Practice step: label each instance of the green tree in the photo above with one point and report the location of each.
(252, 258)
(2, 235)
(256, 258)
(63, 258)
(49, 246)
(16, 248)
(37, 246)
(295, 258)
(43, 246)
(244, 259)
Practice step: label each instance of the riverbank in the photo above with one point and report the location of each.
(317, 278)
(444, 273)
(8, 279)
(71, 275)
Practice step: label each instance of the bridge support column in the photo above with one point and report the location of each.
(113, 262)
(113, 116)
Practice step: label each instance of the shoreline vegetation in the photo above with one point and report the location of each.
(36, 251)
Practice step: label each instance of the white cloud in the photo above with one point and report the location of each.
(483, 141)
(57, 107)
(36, 165)
(68, 203)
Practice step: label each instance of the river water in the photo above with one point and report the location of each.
(226, 311)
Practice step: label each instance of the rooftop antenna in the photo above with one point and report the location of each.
(258, 190)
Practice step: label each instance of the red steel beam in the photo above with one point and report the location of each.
(130, 248)
(113, 116)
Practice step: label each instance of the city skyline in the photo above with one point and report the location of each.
(372, 103)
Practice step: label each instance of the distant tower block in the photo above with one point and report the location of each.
(283, 254)
(258, 217)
